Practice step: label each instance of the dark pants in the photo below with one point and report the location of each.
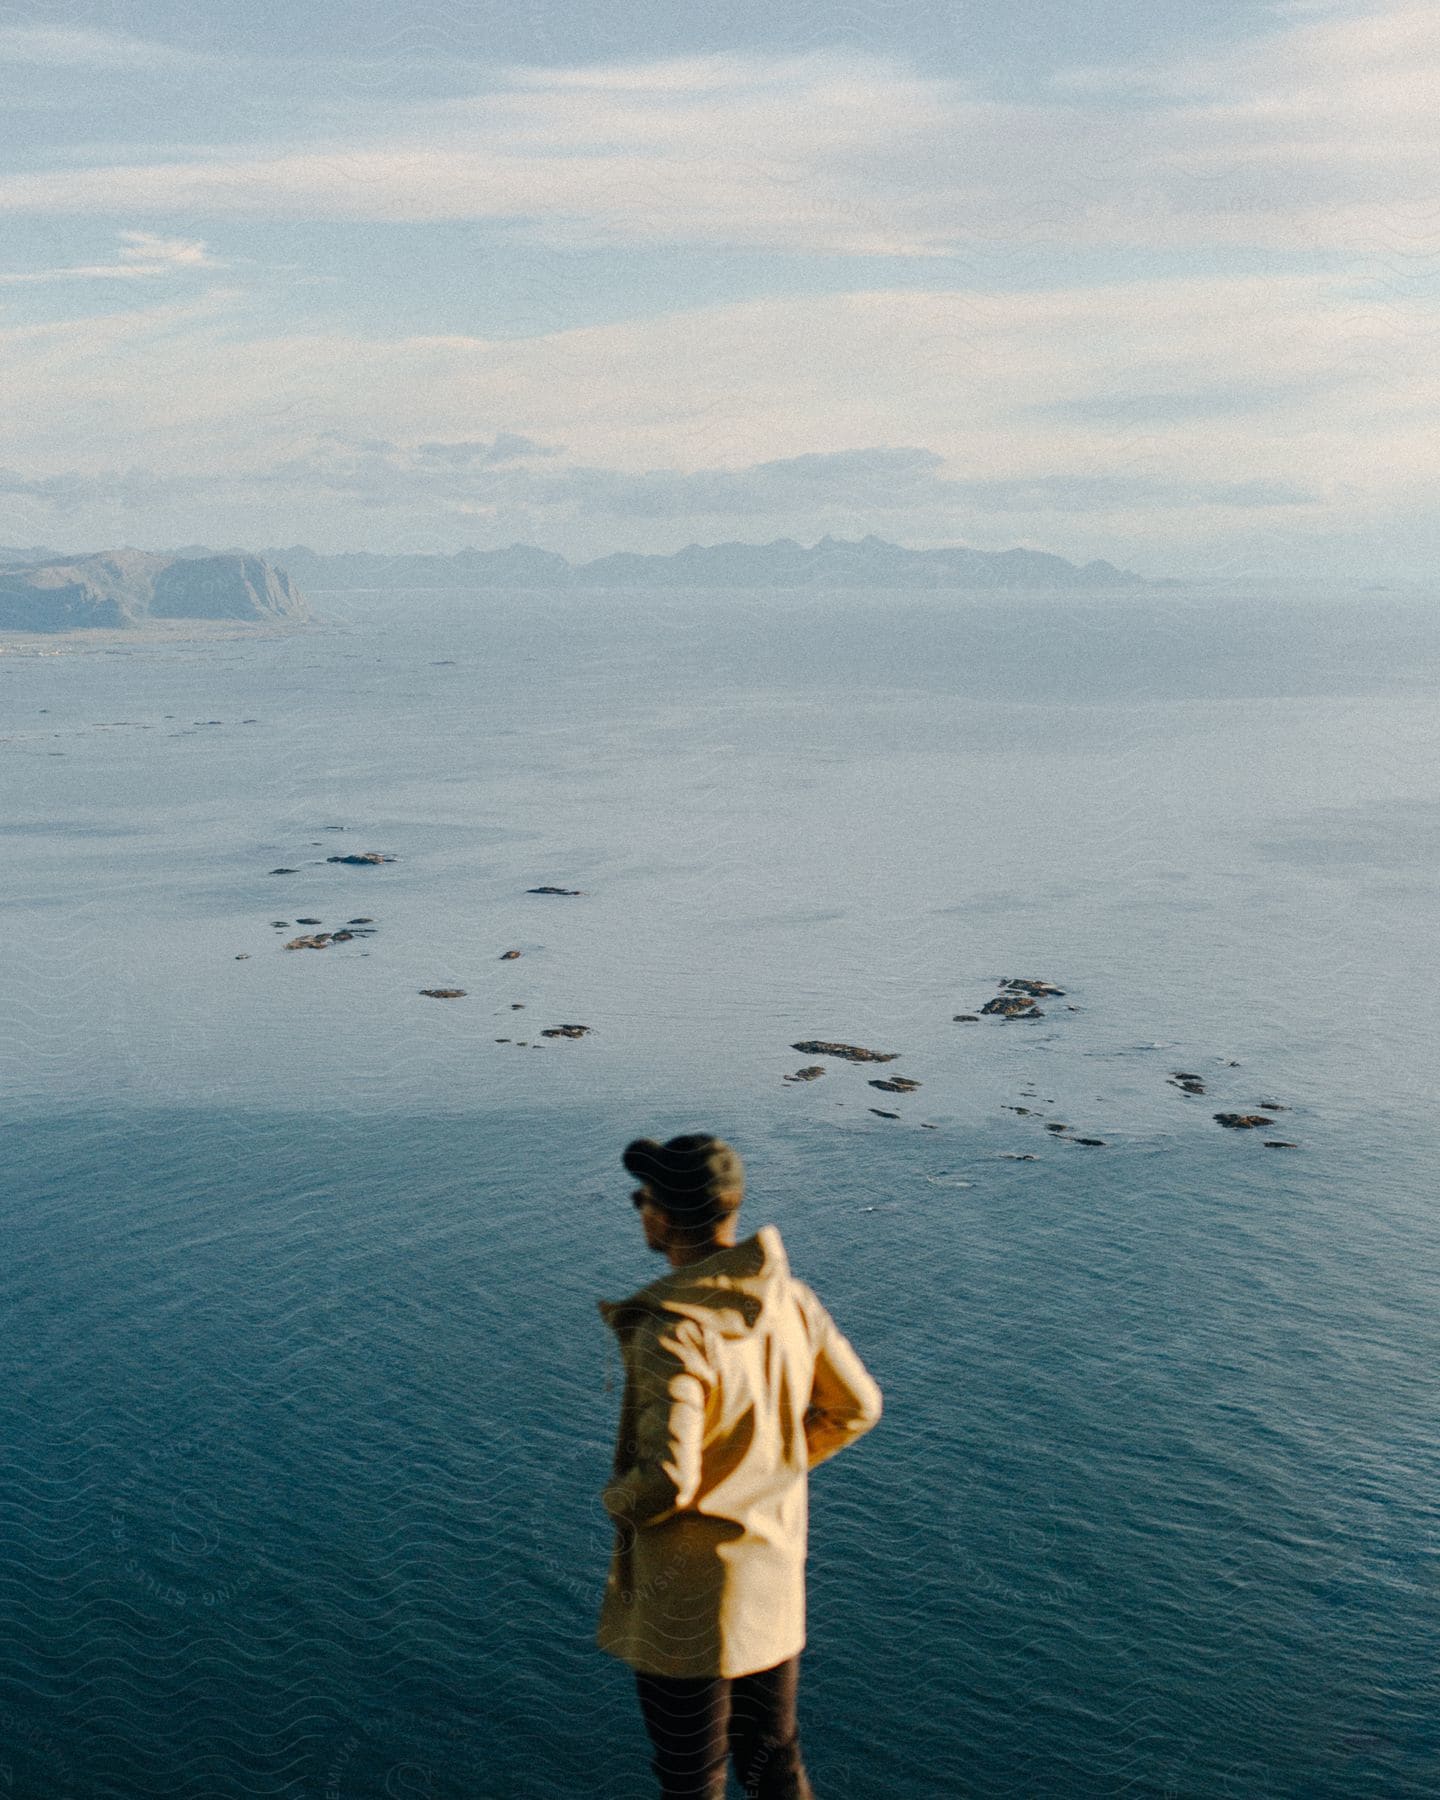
(697, 1726)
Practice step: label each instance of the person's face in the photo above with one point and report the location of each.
(654, 1222)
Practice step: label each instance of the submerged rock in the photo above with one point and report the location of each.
(847, 1052)
(309, 921)
(897, 1084)
(566, 1031)
(570, 893)
(363, 859)
(1097, 1143)
(1242, 1121)
(1037, 990)
(363, 920)
(443, 993)
(1280, 1144)
(812, 1072)
(966, 1019)
(284, 871)
(880, 1113)
(320, 941)
(1187, 1083)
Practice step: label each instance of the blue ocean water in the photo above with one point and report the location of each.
(306, 1402)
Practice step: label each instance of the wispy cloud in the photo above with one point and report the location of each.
(142, 257)
(1321, 133)
(865, 485)
(504, 447)
(726, 150)
(1289, 390)
(71, 47)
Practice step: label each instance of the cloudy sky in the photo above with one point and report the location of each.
(1156, 282)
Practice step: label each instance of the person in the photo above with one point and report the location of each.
(737, 1383)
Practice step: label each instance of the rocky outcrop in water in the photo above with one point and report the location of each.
(1012, 1006)
(1019, 998)
(846, 1052)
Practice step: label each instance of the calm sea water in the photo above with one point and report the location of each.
(305, 1401)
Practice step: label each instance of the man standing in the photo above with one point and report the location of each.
(737, 1383)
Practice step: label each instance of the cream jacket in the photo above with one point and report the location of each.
(737, 1383)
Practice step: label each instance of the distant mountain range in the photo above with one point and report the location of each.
(869, 562)
(120, 588)
(45, 590)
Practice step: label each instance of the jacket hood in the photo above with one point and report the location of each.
(729, 1291)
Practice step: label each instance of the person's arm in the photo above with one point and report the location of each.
(844, 1400)
(663, 1473)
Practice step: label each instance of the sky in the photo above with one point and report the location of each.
(1152, 282)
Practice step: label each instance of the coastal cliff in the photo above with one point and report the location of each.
(119, 589)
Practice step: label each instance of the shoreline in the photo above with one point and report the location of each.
(153, 632)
